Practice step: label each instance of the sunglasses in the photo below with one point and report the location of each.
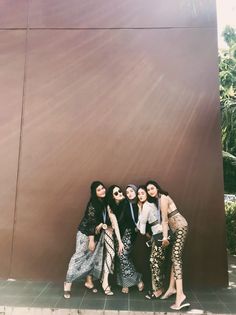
(116, 193)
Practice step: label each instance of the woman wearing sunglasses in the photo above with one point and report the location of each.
(149, 214)
(110, 225)
(127, 213)
(179, 226)
(87, 260)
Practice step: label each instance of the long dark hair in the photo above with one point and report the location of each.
(158, 187)
(117, 209)
(110, 198)
(144, 188)
(98, 203)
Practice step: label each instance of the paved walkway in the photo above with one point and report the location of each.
(28, 297)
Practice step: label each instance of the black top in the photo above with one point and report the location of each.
(106, 218)
(130, 222)
(91, 219)
(119, 211)
(124, 217)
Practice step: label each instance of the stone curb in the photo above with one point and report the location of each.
(11, 310)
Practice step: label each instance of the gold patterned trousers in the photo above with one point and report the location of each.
(177, 251)
(157, 259)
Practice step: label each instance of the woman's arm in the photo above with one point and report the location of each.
(164, 213)
(115, 226)
(143, 218)
(91, 219)
(114, 223)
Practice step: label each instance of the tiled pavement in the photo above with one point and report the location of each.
(31, 295)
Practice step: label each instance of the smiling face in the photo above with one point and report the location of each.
(130, 193)
(101, 191)
(117, 194)
(142, 195)
(152, 190)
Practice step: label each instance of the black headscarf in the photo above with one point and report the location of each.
(98, 203)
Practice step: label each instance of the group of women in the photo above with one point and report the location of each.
(107, 234)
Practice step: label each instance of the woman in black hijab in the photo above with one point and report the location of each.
(87, 260)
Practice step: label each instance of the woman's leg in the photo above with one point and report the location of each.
(77, 267)
(67, 290)
(89, 282)
(157, 259)
(172, 286)
(72, 269)
(108, 261)
(177, 253)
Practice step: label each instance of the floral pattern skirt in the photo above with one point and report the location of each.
(127, 276)
(84, 262)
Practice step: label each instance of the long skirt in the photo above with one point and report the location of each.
(127, 276)
(84, 262)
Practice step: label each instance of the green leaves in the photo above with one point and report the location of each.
(227, 77)
(230, 212)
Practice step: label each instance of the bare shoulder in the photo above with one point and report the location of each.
(171, 202)
(165, 199)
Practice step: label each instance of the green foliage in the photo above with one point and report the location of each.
(229, 35)
(229, 163)
(227, 76)
(230, 211)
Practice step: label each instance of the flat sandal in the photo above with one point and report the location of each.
(67, 294)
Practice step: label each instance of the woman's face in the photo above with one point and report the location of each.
(130, 193)
(117, 194)
(152, 190)
(142, 195)
(101, 191)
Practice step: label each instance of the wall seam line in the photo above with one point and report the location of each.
(20, 143)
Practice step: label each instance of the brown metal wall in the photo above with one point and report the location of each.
(117, 91)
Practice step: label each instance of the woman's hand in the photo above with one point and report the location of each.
(98, 228)
(121, 248)
(148, 236)
(165, 242)
(91, 245)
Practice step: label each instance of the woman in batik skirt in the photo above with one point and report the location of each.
(88, 257)
(127, 213)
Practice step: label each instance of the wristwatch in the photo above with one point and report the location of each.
(104, 226)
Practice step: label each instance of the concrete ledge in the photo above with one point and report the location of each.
(11, 310)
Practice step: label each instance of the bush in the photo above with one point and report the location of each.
(229, 164)
(230, 211)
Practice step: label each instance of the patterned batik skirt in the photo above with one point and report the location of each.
(84, 262)
(127, 276)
